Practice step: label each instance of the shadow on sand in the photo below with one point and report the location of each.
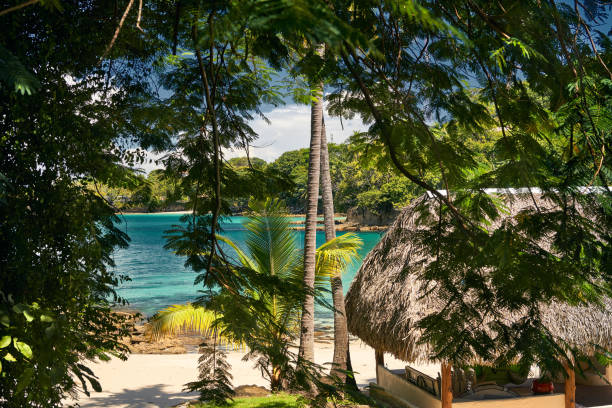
(145, 397)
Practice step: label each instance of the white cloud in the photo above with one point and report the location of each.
(289, 129)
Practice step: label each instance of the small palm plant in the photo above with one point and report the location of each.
(264, 314)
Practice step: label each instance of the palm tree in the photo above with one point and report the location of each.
(306, 351)
(341, 340)
(270, 252)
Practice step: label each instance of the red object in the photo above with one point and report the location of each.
(542, 387)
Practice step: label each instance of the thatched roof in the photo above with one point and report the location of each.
(384, 301)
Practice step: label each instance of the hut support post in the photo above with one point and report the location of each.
(446, 388)
(570, 387)
(379, 356)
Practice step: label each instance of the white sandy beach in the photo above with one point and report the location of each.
(156, 380)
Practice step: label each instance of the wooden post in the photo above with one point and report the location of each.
(570, 387)
(379, 357)
(446, 388)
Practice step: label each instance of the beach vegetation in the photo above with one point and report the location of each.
(361, 177)
(277, 400)
(214, 382)
(86, 88)
(63, 129)
(538, 73)
(262, 313)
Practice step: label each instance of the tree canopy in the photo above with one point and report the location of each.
(458, 96)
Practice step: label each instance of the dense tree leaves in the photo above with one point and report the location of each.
(440, 70)
(459, 96)
(57, 234)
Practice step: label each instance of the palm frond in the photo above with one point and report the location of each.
(243, 258)
(335, 255)
(177, 319)
(270, 241)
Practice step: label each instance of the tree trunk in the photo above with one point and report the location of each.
(326, 188)
(446, 388)
(341, 341)
(306, 351)
(276, 380)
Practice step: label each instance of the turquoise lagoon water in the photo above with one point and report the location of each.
(158, 276)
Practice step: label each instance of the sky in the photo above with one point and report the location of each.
(289, 129)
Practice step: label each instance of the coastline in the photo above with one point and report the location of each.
(295, 225)
(152, 212)
(138, 341)
(129, 212)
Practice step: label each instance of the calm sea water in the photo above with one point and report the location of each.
(160, 279)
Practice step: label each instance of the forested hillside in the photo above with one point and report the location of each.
(361, 179)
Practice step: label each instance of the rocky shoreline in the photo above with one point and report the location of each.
(346, 225)
(350, 228)
(139, 342)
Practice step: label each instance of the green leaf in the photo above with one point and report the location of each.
(4, 320)
(24, 349)
(5, 341)
(15, 75)
(46, 319)
(28, 316)
(49, 331)
(9, 357)
(24, 380)
(18, 308)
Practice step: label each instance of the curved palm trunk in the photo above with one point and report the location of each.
(306, 351)
(341, 360)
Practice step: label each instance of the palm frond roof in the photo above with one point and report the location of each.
(385, 299)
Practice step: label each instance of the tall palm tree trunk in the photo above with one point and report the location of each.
(341, 359)
(306, 351)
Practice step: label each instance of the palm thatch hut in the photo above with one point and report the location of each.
(384, 302)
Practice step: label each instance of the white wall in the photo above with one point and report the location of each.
(405, 390)
(415, 397)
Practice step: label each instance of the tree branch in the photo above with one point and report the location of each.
(110, 45)
(488, 20)
(17, 7)
(387, 140)
(216, 160)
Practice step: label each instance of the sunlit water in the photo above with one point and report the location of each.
(158, 276)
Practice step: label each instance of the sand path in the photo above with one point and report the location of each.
(156, 380)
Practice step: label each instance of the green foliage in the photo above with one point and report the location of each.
(294, 164)
(57, 235)
(284, 400)
(187, 317)
(214, 380)
(362, 176)
(157, 191)
(279, 400)
(459, 96)
(15, 75)
(262, 310)
(255, 162)
(527, 75)
(353, 184)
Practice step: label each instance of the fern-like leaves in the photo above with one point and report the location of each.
(214, 382)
